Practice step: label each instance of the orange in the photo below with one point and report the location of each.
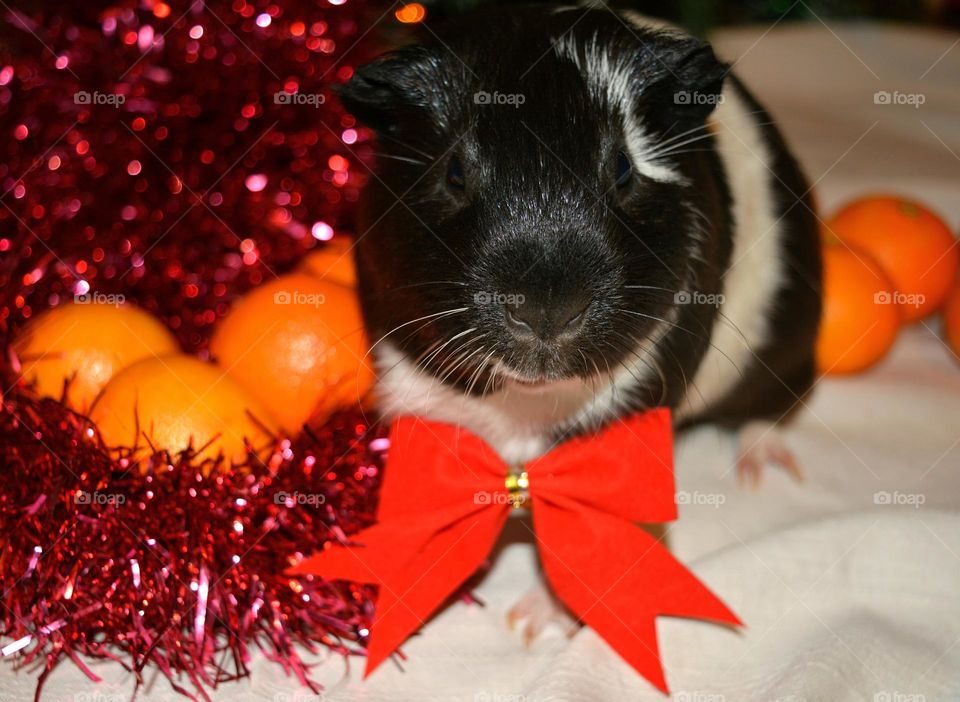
(171, 401)
(951, 319)
(297, 344)
(860, 319)
(910, 242)
(87, 344)
(333, 262)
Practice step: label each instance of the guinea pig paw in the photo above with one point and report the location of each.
(539, 608)
(760, 444)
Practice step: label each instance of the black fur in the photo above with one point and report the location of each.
(540, 229)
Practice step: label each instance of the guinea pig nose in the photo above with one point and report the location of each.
(546, 320)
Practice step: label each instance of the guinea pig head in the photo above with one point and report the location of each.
(528, 220)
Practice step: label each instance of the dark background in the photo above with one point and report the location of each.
(700, 15)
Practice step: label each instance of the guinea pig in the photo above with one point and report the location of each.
(576, 214)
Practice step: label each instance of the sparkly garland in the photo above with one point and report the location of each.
(176, 156)
(169, 567)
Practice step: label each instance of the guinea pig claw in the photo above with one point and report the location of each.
(538, 608)
(759, 444)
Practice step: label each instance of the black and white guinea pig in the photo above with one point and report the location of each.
(577, 214)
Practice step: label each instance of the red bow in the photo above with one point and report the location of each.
(444, 500)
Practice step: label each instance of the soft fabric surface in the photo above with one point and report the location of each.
(846, 597)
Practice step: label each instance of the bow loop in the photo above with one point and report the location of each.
(432, 465)
(631, 477)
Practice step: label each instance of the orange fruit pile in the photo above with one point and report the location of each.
(290, 351)
(887, 261)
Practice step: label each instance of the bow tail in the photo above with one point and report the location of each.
(422, 584)
(617, 579)
(416, 569)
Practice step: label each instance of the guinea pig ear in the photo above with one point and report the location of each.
(392, 86)
(690, 82)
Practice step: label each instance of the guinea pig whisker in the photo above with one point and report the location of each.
(643, 353)
(709, 343)
(658, 319)
(649, 287)
(681, 135)
(432, 354)
(405, 159)
(431, 282)
(669, 150)
(455, 355)
(479, 371)
(404, 144)
(461, 362)
(685, 151)
(434, 315)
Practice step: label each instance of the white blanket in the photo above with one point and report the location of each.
(850, 582)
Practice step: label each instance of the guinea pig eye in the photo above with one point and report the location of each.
(455, 173)
(624, 169)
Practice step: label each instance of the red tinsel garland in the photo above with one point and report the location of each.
(169, 567)
(144, 153)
